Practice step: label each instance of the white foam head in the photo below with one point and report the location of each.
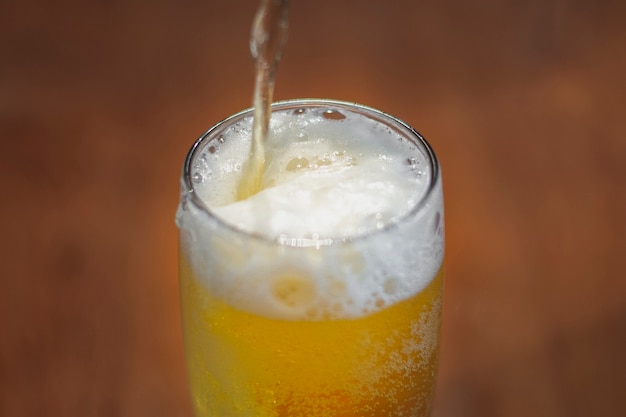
(349, 220)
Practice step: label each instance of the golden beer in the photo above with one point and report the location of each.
(325, 321)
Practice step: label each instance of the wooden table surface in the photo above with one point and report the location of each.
(524, 102)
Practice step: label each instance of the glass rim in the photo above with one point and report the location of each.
(381, 116)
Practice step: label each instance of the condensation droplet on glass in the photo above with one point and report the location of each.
(212, 149)
(299, 111)
(436, 222)
(202, 163)
(220, 139)
(197, 178)
(413, 162)
(333, 115)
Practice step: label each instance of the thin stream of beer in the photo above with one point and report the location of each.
(268, 38)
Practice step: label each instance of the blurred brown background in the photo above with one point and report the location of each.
(523, 101)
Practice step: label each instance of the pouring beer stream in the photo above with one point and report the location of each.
(267, 41)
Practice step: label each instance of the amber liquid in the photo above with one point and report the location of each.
(240, 364)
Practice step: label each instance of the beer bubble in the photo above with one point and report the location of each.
(297, 163)
(352, 261)
(390, 286)
(337, 308)
(337, 288)
(293, 291)
(312, 313)
(197, 178)
(333, 115)
(323, 161)
(378, 220)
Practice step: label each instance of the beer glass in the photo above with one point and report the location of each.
(339, 323)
